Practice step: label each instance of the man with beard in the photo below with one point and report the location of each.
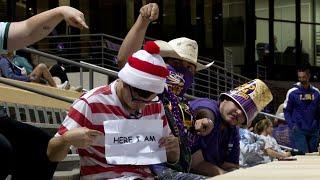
(301, 110)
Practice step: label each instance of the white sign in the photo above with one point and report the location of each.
(133, 142)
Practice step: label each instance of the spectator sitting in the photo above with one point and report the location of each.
(9, 70)
(22, 62)
(272, 148)
(56, 74)
(60, 77)
(251, 148)
(58, 71)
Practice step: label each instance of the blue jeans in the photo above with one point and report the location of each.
(305, 141)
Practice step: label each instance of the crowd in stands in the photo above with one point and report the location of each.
(16, 67)
(201, 138)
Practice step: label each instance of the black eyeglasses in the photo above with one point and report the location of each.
(143, 94)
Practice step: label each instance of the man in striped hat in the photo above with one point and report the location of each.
(132, 96)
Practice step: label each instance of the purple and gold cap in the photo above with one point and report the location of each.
(252, 97)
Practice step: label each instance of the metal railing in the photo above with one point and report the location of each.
(44, 117)
(272, 116)
(47, 117)
(261, 72)
(233, 81)
(24, 87)
(81, 65)
(102, 49)
(217, 76)
(228, 59)
(98, 49)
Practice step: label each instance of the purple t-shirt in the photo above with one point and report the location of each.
(221, 145)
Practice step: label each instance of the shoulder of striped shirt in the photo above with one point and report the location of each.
(104, 90)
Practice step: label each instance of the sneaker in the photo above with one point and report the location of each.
(64, 85)
(78, 88)
(56, 80)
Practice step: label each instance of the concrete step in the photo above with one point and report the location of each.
(67, 175)
(68, 169)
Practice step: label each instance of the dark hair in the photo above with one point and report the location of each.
(261, 126)
(305, 67)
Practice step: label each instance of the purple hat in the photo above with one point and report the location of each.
(252, 97)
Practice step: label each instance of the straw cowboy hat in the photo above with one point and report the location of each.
(183, 49)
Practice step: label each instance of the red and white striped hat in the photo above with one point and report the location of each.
(145, 69)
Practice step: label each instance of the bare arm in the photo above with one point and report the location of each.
(26, 32)
(201, 166)
(207, 169)
(171, 144)
(227, 166)
(134, 39)
(58, 147)
(173, 157)
(272, 153)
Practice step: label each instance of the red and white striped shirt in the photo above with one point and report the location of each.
(90, 110)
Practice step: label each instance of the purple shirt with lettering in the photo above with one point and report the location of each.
(221, 145)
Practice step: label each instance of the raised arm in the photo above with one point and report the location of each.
(24, 33)
(134, 39)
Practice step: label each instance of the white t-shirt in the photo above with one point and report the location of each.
(271, 143)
